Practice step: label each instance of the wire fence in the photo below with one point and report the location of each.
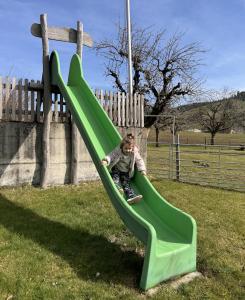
(220, 166)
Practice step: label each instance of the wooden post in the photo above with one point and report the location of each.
(119, 109)
(7, 98)
(20, 100)
(123, 110)
(26, 101)
(74, 130)
(32, 105)
(38, 104)
(46, 103)
(13, 99)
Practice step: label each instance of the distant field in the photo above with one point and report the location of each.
(188, 137)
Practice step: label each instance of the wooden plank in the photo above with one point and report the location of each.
(110, 105)
(26, 101)
(142, 115)
(13, 108)
(38, 105)
(61, 108)
(131, 109)
(127, 110)
(62, 34)
(107, 102)
(119, 109)
(1, 98)
(138, 110)
(114, 115)
(32, 105)
(101, 97)
(7, 100)
(123, 111)
(135, 110)
(20, 95)
(56, 107)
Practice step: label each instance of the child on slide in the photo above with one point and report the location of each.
(121, 162)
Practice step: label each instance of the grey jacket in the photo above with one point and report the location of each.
(114, 157)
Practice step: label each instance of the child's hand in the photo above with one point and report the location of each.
(143, 173)
(104, 162)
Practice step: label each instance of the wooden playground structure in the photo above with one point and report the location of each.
(23, 100)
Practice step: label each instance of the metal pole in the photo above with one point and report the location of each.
(130, 87)
(173, 129)
(177, 159)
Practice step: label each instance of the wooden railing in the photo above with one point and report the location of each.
(21, 100)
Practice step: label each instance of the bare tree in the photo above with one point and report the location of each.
(163, 71)
(217, 115)
(172, 120)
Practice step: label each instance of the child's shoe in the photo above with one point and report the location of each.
(134, 199)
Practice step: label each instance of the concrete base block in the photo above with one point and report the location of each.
(185, 279)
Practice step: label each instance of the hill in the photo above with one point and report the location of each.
(189, 113)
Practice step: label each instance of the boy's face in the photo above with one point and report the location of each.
(127, 149)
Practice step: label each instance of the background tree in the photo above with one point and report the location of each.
(162, 122)
(241, 120)
(217, 115)
(172, 120)
(164, 71)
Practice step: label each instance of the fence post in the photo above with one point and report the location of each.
(170, 162)
(219, 180)
(177, 159)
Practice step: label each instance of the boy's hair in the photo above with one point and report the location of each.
(128, 139)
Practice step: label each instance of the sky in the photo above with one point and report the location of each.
(217, 24)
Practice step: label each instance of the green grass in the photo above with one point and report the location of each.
(69, 243)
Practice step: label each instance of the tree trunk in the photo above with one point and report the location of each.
(157, 136)
(212, 138)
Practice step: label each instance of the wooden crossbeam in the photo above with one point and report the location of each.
(62, 34)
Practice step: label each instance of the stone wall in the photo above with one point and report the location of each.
(21, 153)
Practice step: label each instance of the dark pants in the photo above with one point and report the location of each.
(122, 180)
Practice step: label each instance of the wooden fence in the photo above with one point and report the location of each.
(21, 100)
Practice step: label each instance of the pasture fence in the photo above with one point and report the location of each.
(22, 100)
(220, 166)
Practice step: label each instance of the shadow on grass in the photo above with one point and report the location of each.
(86, 253)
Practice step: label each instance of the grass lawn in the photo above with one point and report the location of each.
(68, 243)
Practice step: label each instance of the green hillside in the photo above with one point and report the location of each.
(189, 113)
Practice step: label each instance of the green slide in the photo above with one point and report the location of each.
(169, 235)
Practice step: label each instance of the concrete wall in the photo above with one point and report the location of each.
(21, 153)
